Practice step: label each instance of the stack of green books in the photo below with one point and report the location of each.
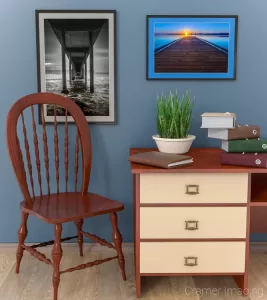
(245, 146)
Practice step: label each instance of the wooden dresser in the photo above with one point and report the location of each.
(197, 219)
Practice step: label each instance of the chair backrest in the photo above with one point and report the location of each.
(16, 153)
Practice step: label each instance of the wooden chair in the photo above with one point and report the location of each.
(61, 207)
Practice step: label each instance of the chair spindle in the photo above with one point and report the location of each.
(46, 156)
(28, 155)
(76, 160)
(23, 173)
(56, 147)
(36, 149)
(66, 151)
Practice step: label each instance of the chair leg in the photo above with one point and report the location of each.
(117, 239)
(22, 234)
(79, 226)
(56, 256)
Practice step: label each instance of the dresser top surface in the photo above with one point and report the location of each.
(206, 160)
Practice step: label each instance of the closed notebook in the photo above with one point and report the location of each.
(238, 133)
(252, 146)
(161, 160)
(246, 159)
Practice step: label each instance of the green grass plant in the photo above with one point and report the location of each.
(174, 114)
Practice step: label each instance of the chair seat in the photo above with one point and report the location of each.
(66, 207)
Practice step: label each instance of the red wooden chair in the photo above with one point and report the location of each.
(60, 207)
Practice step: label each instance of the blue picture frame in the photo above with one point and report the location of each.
(191, 47)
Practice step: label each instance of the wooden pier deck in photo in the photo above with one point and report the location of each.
(191, 55)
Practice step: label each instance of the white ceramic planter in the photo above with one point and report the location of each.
(176, 146)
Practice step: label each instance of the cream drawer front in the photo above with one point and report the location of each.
(204, 222)
(212, 188)
(212, 257)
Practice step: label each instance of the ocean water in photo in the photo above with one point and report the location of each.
(162, 40)
(218, 40)
(221, 41)
(92, 104)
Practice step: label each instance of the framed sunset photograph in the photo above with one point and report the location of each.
(191, 47)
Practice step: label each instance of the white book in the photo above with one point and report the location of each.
(225, 145)
(218, 120)
(218, 133)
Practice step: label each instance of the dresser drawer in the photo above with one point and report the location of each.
(193, 222)
(193, 188)
(209, 257)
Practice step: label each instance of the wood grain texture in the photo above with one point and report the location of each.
(257, 275)
(60, 207)
(28, 155)
(258, 190)
(117, 240)
(163, 201)
(98, 240)
(67, 207)
(258, 203)
(46, 155)
(36, 150)
(217, 287)
(191, 55)
(23, 175)
(258, 222)
(76, 160)
(7, 263)
(104, 282)
(76, 285)
(242, 281)
(18, 287)
(22, 234)
(137, 233)
(37, 255)
(169, 288)
(79, 225)
(57, 256)
(56, 147)
(200, 165)
(88, 265)
(13, 143)
(66, 150)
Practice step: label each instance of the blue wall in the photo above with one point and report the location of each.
(136, 97)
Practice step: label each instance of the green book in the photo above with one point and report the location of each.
(240, 146)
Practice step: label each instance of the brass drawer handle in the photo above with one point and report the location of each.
(190, 261)
(191, 225)
(192, 189)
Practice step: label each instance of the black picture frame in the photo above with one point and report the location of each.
(234, 53)
(112, 57)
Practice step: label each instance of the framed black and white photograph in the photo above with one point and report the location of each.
(76, 53)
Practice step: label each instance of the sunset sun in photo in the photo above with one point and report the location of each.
(187, 33)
